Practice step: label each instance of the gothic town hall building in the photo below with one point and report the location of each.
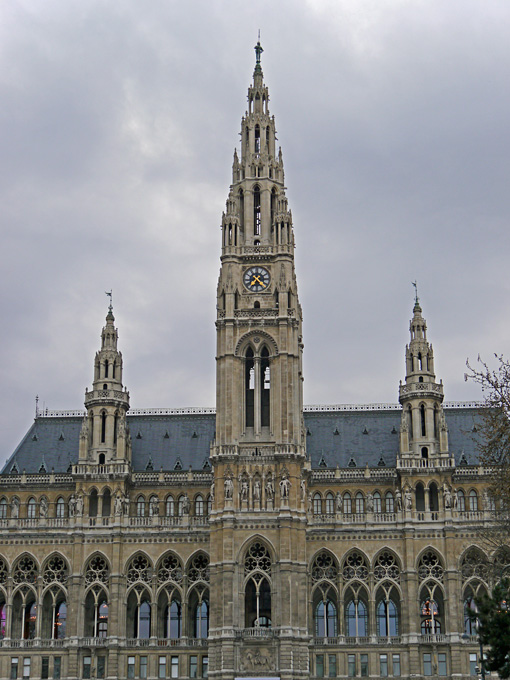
(262, 538)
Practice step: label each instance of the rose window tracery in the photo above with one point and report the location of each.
(199, 569)
(97, 570)
(387, 567)
(474, 564)
(56, 570)
(170, 569)
(25, 571)
(324, 567)
(138, 569)
(257, 558)
(355, 567)
(430, 566)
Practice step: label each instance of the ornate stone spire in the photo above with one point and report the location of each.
(104, 437)
(423, 429)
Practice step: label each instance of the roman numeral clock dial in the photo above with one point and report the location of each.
(256, 279)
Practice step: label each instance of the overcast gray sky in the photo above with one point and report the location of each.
(118, 122)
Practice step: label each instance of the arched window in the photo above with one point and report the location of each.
(325, 619)
(169, 507)
(209, 504)
(140, 506)
(93, 503)
(257, 601)
(433, 497)
(106, 368)
(3, 618)
(24, 615)
(173, 620)
(347, 504)
(139, 614)
(461, 501)
(103, 427)
(3, 508)
(31, 508)
(317, 503)
(387, 611)
(377, 502)
(256, 211)
(265, 382)
(389, 502)
(422, 419)
(180, 506)
(249, 387)
(410, 421)
(257, 139)
(420, 497)
(201, 620)
(430, 617)
(60, 509)
(360, 503)
(473, 501)
(330, 503)
(107, 503)
(356, 616)
(199, 506)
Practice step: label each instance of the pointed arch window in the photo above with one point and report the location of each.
(60, 508)
(387, 613)
(257, 211)
(473, 501)
(31, 508)
(317, 503)
(201, 627)
(360, 503)
(106, 366)
(265, 393)
(249, 387)
(422, 419)
(347, 503)
(199, 506)
(173, 620)
(103, 427)
(257, 601)
(169, 506)
(3, 508)
(377, 502)
(461, 500)
(140, 506)
(356, 615)
(257, 139)
(389, 502)
(325, 619)
(330, 503)
(139, 614)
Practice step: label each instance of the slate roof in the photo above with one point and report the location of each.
(335, 438)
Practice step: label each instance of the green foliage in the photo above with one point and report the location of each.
(494, 628)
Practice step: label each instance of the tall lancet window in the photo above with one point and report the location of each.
(265, 382)
(249, 387)
(257, 139)
(256, 211)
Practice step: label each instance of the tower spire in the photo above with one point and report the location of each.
(423, 428)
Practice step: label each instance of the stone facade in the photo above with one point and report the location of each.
(262, 539)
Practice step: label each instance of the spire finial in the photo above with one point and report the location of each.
(416, 298)
(258, 52)
(110, 295)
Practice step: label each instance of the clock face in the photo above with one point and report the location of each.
(256, 279)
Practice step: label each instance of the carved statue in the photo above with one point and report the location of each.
(370, 503)
(212, 491)
(154, 506)
(447, 495)
(125, 504)
(339, 503)
(71, 505)
(244, 489)
(118, 505)
(256, 490)
(310, 503)
(229, 488)
(284, 486)
(303, 490)
(43, 508)
(185, 505)
(398, 499)
(270, 488)
(408, 497)
(79, 505)
(15, 508)
(455, 499)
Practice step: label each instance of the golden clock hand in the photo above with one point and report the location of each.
(256, 280)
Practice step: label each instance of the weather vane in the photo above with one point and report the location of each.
(415, 284)
(110, 295)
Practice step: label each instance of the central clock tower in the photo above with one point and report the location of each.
(258, 520)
